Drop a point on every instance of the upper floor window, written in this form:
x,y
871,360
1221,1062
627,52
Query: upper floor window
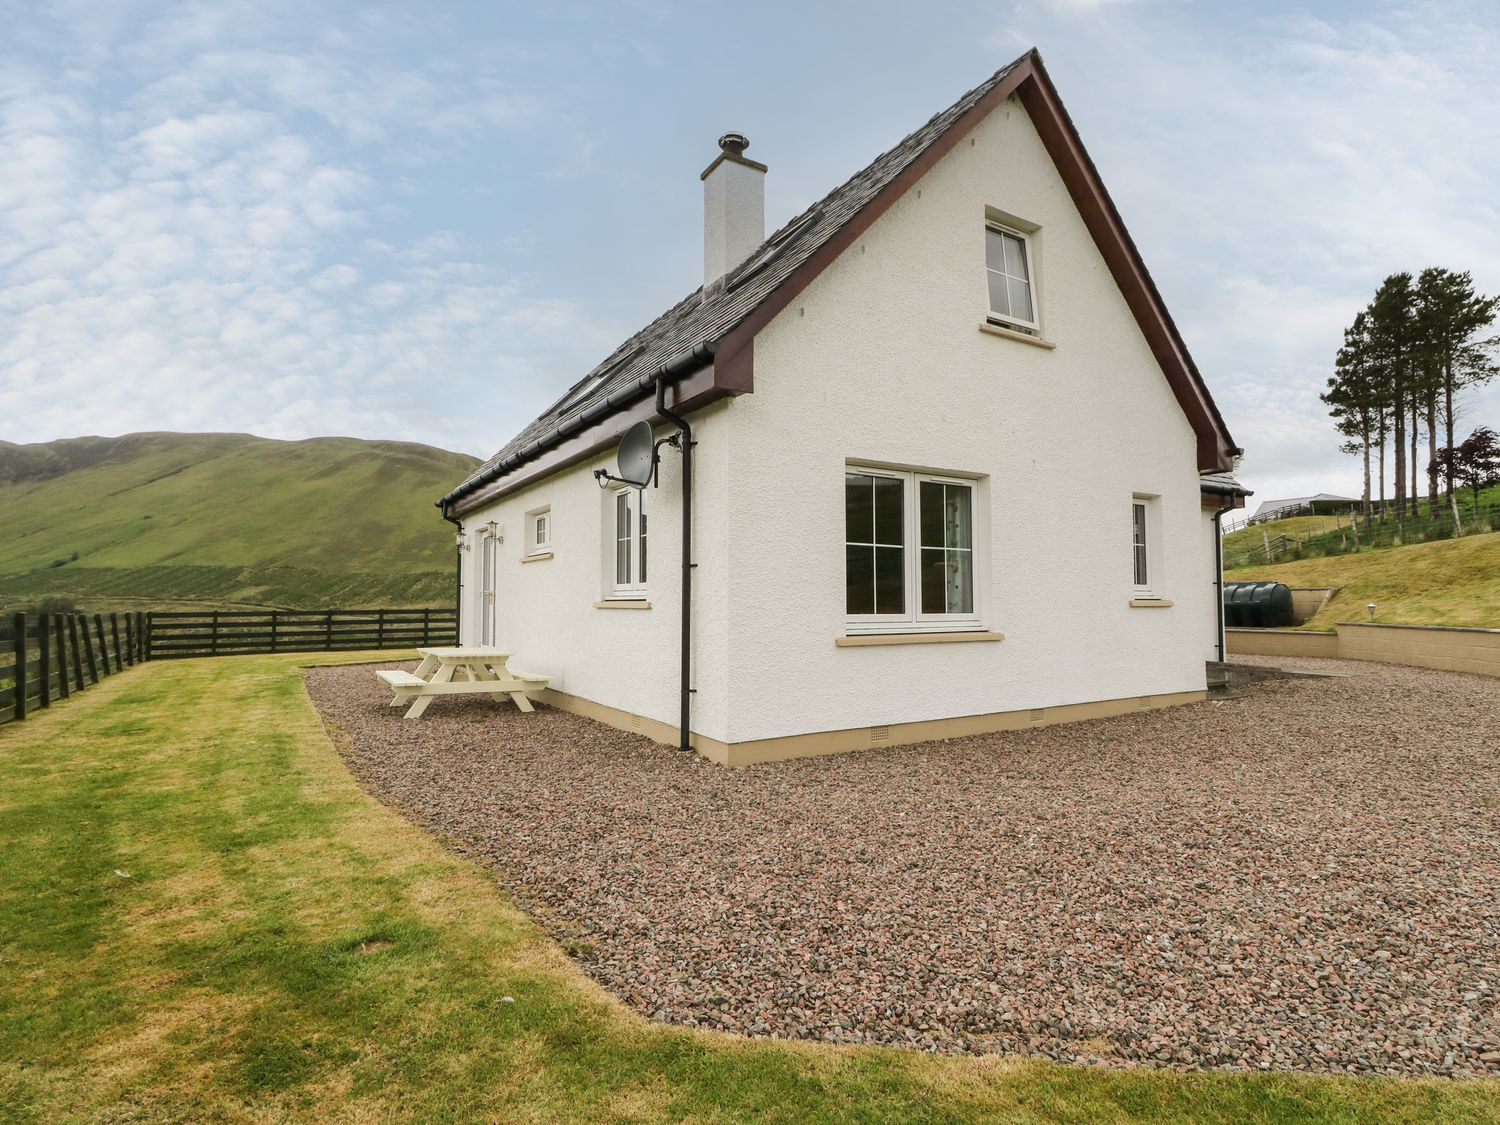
x,y
1009,267
909,551
627,538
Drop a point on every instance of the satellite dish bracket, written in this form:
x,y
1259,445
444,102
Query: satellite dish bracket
x,y
602,476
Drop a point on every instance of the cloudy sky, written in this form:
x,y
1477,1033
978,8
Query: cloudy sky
x,y
423,221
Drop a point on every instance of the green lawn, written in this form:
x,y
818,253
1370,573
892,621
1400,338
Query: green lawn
x,y
202,917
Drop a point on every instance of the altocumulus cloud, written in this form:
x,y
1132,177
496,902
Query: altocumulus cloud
x,y
337,217
186,231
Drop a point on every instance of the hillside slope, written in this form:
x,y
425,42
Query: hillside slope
x,y
1448,582
226,518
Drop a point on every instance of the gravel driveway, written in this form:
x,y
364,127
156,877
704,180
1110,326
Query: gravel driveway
x,y
1307,877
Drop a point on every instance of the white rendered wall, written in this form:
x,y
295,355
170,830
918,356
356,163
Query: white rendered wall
x,y
881,358
627,659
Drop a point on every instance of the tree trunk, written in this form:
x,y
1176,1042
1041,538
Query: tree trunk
x,y
1382,469
1448,420
1412,465
1366,495
1398,455
1432,451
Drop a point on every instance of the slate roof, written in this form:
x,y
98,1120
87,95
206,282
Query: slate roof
x,y
697,319
1222,483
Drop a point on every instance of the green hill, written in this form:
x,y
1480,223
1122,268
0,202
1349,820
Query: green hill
x,y
157,519
1447,582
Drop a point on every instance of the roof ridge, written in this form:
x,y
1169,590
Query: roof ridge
x,y
708,312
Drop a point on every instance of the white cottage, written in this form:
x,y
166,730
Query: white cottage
x,y
952,468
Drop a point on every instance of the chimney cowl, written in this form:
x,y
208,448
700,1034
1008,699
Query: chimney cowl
x,y
734,143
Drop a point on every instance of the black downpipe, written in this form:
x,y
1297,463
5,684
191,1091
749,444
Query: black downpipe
x,y
458,574
684,740
1219,580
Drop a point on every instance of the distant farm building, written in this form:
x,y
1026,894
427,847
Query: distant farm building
x,y
1324,503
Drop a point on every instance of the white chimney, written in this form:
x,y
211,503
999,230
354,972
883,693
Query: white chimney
x,y
734,208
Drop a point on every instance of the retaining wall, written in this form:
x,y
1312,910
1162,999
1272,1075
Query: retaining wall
x,y
1423,646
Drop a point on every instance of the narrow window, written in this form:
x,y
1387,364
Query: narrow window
x,y
947,548
627,540
623,534
1138,522
875,543
1008,267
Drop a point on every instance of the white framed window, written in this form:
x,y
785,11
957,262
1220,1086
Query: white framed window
x,y
910,557
626,543
1144,546
1010,270
539,531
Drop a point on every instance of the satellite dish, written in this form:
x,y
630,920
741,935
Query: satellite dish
x,y
637,456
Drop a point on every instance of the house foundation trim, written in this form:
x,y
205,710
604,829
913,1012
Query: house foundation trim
x,y
862,738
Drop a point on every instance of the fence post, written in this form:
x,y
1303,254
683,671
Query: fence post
x,y
275,618
380,628
328,631
44,658
426,627
103,644
130,639
62,657
213,634
20,625
88,649
77,655
114,631
146,634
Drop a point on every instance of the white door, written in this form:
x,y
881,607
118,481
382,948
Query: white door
x,y
488,564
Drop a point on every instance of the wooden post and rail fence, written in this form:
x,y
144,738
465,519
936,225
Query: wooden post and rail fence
x,y
44,657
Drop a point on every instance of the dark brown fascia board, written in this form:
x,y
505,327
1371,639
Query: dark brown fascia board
x,y
1216,448
1029,81
692,393
1213,501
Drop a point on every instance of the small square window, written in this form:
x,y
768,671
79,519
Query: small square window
x,y
1010,269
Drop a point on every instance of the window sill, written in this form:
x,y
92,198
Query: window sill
x,y
623,603
1012,334
1151,603
539,556
867,639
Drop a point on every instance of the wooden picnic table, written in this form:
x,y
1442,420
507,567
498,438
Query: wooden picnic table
x,y
460,670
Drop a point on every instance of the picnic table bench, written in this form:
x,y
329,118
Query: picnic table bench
x,y
459,670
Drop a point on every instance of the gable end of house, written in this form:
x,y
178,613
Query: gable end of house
x,y
703,348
